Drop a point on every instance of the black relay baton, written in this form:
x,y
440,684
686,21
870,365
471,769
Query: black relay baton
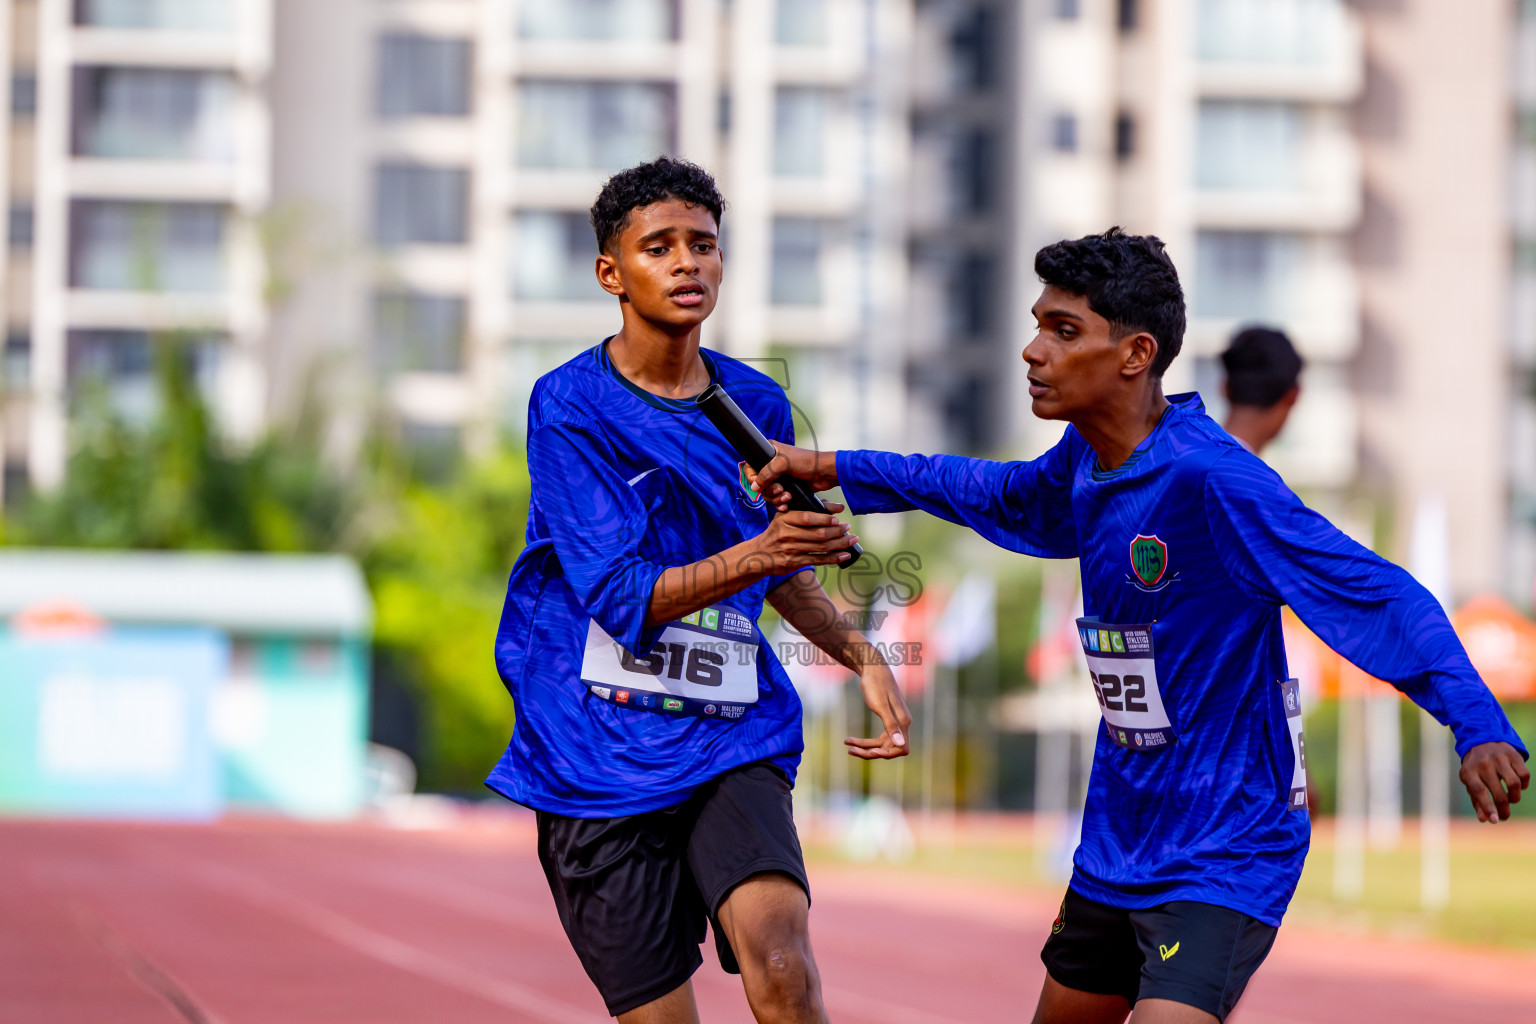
x,y
756,451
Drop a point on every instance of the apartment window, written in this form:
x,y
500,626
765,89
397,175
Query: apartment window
x,y
554,252
1125,136
417,204
972,47
1245,275
633,21
190,15
799,132
119,366
795,275
435,450
24,93
973,171
420,76
800,23
19,232
973,294
17,368
1068,10
593,126
1248,145
1127,15
144,246
153,114
417,332
1064,133
16,483
1289,31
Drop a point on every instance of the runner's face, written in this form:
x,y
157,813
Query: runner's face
x,y
666,264
1075,362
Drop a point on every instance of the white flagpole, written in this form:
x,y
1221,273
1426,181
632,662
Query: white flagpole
x,y
1431,562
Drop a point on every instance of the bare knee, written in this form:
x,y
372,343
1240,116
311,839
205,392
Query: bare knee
x,y
786,976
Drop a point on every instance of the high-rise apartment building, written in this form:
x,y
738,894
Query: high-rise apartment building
x,y
1520,576
1314,165
137,161
387,198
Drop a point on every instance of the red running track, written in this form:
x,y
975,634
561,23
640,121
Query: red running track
x,y
281,923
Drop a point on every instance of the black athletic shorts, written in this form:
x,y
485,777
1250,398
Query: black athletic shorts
x,y
633,893
1193,953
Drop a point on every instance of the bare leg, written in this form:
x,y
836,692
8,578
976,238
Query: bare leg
x,y
766,920
1062,1005
1166,1011
676,1007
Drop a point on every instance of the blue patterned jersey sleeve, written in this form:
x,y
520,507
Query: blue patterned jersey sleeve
x,y
1021,506
1367,609
595,521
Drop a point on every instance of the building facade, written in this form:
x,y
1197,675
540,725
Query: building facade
x,y
383,202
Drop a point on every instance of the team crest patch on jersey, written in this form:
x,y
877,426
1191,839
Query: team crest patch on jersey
x,y
1149,561
750,493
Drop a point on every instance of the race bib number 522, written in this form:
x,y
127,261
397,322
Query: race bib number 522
x,y
1124,674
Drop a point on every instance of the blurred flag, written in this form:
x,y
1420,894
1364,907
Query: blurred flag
x,y
968,626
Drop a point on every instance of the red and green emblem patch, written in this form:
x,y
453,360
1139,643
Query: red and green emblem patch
x,y
1149,559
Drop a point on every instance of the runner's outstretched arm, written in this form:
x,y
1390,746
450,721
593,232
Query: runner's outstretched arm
x,y
806,606
1021,506
1368,610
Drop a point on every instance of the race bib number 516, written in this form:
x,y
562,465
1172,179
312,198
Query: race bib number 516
x,y
1124,674
702,664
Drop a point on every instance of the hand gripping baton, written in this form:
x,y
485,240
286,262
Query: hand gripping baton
x,y
756,451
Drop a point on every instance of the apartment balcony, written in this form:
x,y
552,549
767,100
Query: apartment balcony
x,y
1279,49
149,311
1306,285
1270,165
599,59
1524,63
158,180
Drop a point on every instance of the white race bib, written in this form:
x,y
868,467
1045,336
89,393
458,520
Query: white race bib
x,y
1124,675
703,664
1290,691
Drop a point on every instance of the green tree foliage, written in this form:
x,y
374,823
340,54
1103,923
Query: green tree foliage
x,y
436,555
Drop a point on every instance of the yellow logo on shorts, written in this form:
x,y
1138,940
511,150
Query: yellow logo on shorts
x,y
1168,951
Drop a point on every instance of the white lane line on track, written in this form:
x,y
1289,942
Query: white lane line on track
x,y
343,930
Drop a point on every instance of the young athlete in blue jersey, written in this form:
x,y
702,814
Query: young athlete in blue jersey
x,y
657,736
1196,826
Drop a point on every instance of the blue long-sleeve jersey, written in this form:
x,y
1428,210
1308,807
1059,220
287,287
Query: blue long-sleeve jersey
x,y
1200,540
626,484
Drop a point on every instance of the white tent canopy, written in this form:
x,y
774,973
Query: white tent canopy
x,y
310,595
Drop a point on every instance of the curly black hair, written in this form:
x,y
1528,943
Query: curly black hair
x,y
1128,280
663,178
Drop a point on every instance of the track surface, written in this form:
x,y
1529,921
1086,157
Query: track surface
x,y
278,923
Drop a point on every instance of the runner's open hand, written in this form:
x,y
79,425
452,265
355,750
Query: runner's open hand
x,y
1494,774
884,698
819,469
794,540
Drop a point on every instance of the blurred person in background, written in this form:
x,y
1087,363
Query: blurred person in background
x,y
1194,830
1263,373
